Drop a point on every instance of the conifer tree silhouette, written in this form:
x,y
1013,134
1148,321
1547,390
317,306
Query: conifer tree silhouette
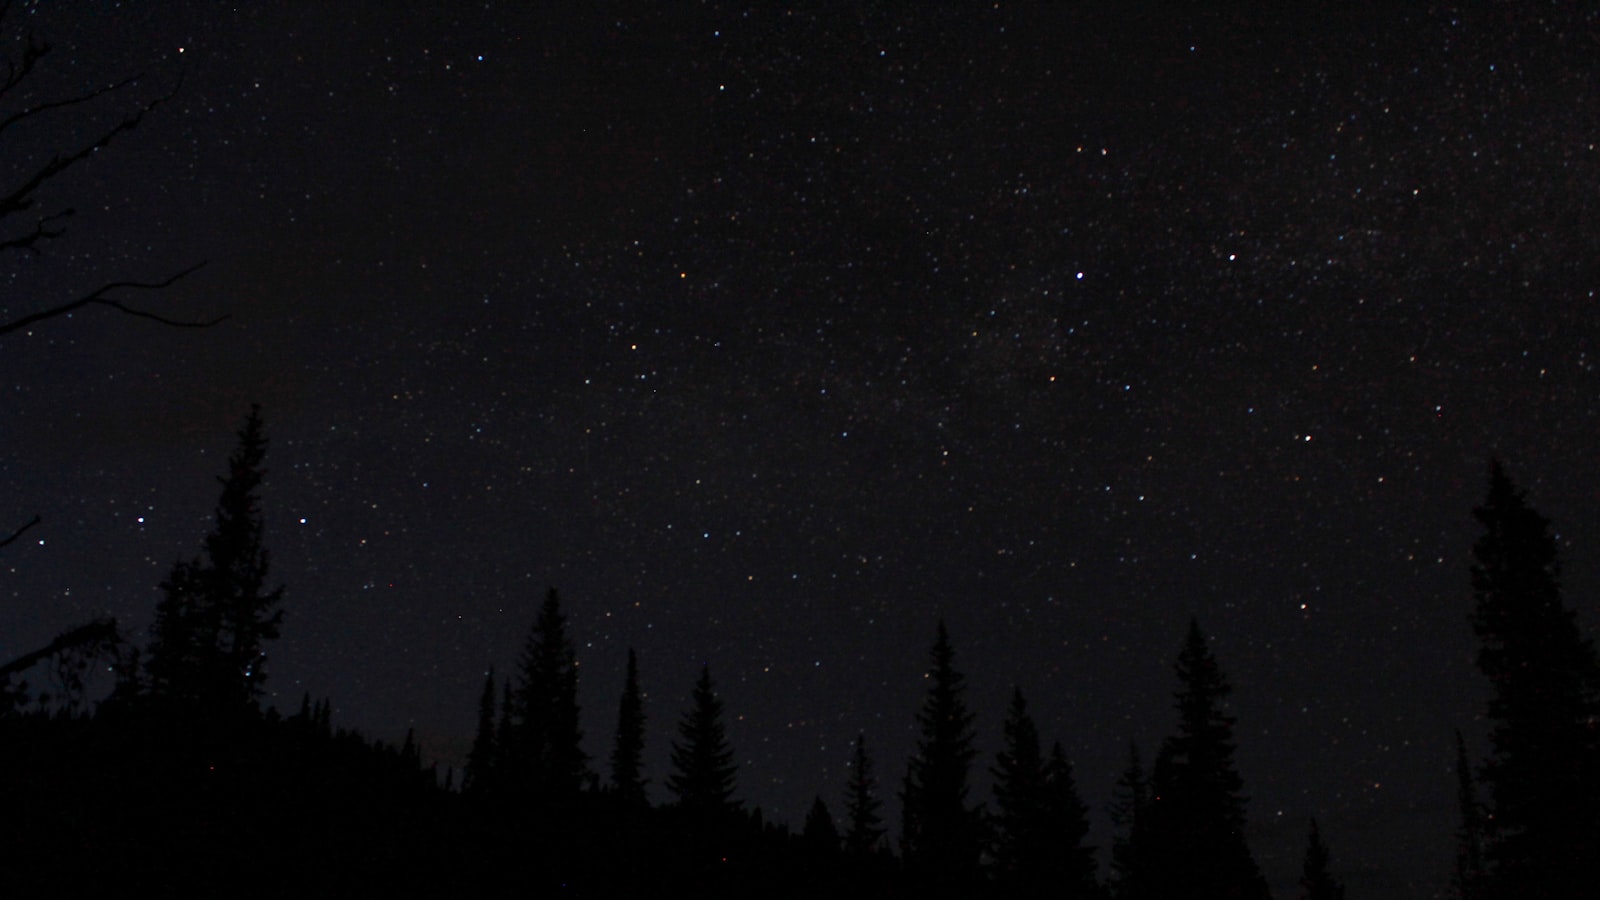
x,y
702,778
627,753
1129,812
481,758
1543,770
1196,814
208,647
1316,883
941,834
544,752
1040,822
863,809
1071,870
820,835
1020,803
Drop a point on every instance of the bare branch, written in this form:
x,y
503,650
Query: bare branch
x,y
44,229
20,198
99,297
18,533
32,111
32,52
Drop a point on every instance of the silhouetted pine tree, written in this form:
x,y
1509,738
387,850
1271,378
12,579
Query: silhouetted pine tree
x,y
702,777
1543,770
1021,805
1129,810
1128,817
545,754
249,610
865,832
183,665
1040,823
1467,881
627,753
820,836
481,758
1316,883
1071,870
1196,815
208,643
941,835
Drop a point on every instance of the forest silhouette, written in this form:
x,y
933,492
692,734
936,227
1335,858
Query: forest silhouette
x,y
179,781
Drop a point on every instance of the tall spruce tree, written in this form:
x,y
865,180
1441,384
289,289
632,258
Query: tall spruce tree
x,y
545,754
941,834
1543,770
627,752
183,665
1020,848
703,769
1129,812
864,824
1196,815
1316,882
208,643
1071,871
481,758
1040,822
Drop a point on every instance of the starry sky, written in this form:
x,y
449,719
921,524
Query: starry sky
x,y
772,334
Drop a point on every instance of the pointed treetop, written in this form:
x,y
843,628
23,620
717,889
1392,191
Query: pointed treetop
x,y
628,749
820,834
703,768
862,806
1315,881
940,832
1203,690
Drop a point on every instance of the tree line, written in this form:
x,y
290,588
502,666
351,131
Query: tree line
x,y
179,775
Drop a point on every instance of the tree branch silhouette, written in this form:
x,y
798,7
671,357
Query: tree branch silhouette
x,y
21,197
98,297
18,533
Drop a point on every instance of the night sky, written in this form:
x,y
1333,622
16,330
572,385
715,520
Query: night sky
x,y
770,335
